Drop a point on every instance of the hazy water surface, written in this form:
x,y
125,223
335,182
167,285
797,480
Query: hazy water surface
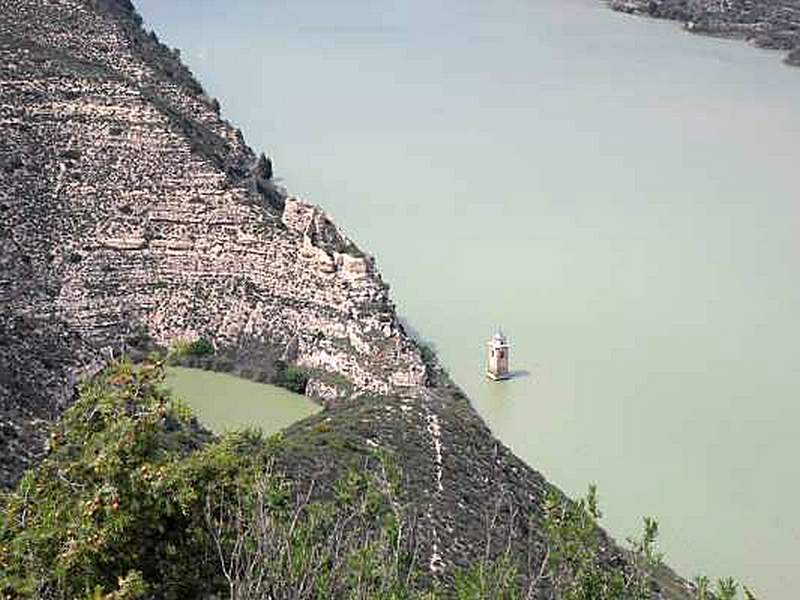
x,y
621,196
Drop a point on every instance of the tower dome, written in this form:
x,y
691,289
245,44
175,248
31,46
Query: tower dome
x,y
499,337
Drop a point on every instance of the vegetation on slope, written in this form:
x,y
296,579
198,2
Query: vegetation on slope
x,y
136,500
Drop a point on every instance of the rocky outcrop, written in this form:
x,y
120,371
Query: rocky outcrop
x,y
129,206
773,24
324,245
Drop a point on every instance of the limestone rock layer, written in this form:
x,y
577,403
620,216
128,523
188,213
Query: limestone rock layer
x,y
130,207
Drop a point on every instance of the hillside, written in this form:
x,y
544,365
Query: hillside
x,y
134,215
136,500
772,24
135,218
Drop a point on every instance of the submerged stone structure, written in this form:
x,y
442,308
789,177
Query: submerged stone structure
x,y
497,364
133,215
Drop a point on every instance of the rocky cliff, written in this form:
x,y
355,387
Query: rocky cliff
x,y
133,215
773,24
131,209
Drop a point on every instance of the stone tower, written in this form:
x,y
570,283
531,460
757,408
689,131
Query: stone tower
x,y
497,364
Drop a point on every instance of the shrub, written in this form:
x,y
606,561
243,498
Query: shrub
x,y
135,500
290,377
201,347
183,349
427,354
296,379
119,497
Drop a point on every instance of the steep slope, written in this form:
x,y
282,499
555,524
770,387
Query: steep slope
x,y
773,24
133,215
131,210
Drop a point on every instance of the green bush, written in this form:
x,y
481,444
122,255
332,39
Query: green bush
x,y
189,349
135,500
296,379
427,354
120,496
201,347
290,377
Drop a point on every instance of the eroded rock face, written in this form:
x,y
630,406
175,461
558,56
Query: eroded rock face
x,y
324,245
129,205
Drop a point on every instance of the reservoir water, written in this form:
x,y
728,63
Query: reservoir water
x,y
620,196
223,402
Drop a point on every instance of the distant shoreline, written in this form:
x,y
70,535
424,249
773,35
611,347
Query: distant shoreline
x,y
769,24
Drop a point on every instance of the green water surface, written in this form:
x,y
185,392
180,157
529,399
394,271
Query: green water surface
x,y
224,402
619,195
